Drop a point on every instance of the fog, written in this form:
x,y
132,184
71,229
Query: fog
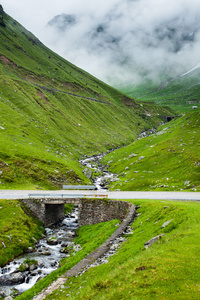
x,y
119,41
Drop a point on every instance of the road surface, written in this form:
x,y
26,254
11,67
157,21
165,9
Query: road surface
x,y
184,196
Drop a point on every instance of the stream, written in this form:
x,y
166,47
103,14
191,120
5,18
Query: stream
x,y
52,247
93,163
47,252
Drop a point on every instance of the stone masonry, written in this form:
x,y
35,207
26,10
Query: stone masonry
x,y
91,211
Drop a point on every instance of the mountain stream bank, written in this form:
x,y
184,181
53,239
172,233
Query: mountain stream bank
x,y
23,272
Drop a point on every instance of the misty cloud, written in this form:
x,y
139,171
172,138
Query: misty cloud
x,y
121,41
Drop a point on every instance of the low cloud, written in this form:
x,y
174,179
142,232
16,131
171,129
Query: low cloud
x,y
120,41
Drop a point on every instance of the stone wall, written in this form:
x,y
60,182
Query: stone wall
x,y
37,208
95,211
91,211
49,214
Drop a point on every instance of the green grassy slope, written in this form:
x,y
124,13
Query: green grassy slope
x,y
18,230
52,112
167,160
181,93
168,269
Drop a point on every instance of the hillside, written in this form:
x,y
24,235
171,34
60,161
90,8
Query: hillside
x,y
52,113
167,160
181,93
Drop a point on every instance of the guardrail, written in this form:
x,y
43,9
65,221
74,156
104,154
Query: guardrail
x,y
54,196
100,196
79,187
65,196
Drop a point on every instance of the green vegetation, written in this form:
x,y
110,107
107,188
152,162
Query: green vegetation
x,y
168,269
18,230
27,262
46,121
89,237
167,160
68,208
181,93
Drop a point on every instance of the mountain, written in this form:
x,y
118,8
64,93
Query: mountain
x,y
181,93
62,22
135,47
52,113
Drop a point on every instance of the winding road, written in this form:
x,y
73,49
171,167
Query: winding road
x,y
182,196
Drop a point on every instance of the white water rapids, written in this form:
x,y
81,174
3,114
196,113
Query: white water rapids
x,y
94,164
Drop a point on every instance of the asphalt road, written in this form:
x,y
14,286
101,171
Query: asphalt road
x,y
184,196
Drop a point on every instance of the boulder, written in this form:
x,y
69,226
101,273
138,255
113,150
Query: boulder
x,y
12,279
166,223
153,240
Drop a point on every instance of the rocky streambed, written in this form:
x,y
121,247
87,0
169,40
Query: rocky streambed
x,y
93,165
23,272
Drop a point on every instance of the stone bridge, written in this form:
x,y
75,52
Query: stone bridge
x,y
91,211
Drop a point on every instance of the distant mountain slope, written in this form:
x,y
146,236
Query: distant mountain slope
x,y
52,113
181,93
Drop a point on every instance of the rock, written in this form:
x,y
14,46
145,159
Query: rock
x,y
2,294
166,223
32,267
29,250
71,233
133,155
52,241
187,182
141,157
34,239
64,250
3,244
70,244
45,252
9,298
5,270
77,248
153,240
88,173
12,279
48,231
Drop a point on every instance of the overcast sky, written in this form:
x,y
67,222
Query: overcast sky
x,y
145,43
